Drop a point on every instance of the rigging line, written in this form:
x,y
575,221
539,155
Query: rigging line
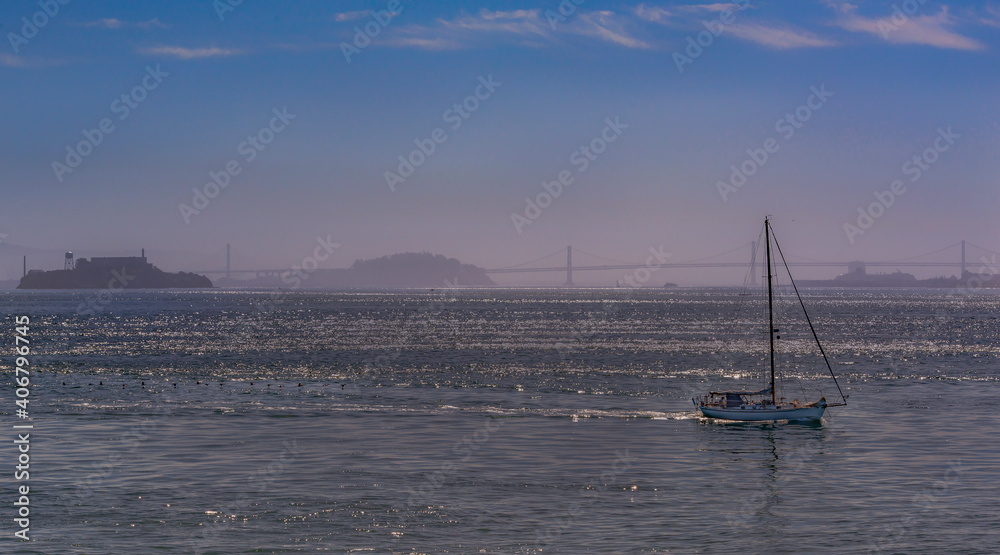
x,y
747,277
742,293
925,254
531,261
809,321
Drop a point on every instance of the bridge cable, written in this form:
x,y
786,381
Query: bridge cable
x,y
531,261
743,246
925,254
604,257
981,248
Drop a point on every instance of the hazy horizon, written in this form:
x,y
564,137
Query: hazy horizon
x,y
827,103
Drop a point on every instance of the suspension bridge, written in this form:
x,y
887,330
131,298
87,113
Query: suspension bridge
x,y
956,255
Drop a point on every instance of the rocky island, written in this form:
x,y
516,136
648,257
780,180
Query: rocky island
x,y
120,272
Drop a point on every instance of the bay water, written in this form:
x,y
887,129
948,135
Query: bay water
x,y
502,421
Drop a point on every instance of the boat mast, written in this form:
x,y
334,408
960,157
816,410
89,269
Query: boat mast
x,y
770,303
811,328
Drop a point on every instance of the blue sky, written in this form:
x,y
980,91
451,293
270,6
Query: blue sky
x,y
898,71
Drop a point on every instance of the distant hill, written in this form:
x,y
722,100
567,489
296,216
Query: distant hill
x,y
126,272
397,271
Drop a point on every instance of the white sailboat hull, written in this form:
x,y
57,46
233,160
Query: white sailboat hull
x,y
764,414
767,405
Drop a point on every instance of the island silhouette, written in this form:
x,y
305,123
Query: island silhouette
x,y
114,272
397,271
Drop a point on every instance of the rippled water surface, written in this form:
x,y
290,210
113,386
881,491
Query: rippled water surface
x,y
504,421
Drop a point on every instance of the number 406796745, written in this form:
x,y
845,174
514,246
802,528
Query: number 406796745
x,y
21,374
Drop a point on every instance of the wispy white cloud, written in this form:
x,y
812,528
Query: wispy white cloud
x,y
190,53
426,43
113,23
518,22
350,16
10,60
991,17
21,61
715,7
653,14
523,27
782,38
607,26
641,25
929,30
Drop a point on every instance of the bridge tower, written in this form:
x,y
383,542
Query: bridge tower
x,y
227,261
569,265
963,260
753,262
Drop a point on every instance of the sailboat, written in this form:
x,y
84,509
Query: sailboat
x,y
765,405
